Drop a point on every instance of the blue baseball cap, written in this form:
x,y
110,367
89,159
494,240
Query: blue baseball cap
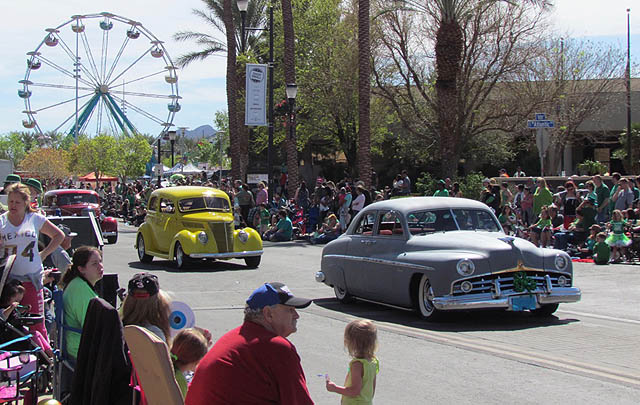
x,y
275,293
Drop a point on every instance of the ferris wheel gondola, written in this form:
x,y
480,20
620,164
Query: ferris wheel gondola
x,y
99,73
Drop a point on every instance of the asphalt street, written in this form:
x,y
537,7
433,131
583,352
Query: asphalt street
x,y
587,353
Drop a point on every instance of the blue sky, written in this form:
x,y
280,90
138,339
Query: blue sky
x,y
202,85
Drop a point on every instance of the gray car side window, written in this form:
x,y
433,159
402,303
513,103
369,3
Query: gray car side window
x,y
365,226
389,224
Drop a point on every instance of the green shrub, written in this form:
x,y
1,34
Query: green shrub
x,y
591,167
470,185
426,184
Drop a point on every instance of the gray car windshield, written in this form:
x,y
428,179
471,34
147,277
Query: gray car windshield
x,y
445,220
203,203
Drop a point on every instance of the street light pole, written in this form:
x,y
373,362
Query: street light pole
x,y
292,91
271,123
159,161
220,134
629,157
172,139
242,6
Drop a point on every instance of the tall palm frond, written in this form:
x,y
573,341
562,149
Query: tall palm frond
x,y
213,16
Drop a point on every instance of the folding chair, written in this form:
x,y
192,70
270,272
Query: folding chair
x,y
63,363
152,366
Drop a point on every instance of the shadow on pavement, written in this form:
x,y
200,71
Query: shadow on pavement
x,y
454,321
204,266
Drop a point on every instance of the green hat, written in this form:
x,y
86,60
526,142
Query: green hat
x,y
34,183
12,178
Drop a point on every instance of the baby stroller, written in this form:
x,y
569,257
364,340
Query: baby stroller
x,y
22,365
22,361
18,369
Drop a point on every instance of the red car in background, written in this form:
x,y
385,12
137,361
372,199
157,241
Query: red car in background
x,y
75,202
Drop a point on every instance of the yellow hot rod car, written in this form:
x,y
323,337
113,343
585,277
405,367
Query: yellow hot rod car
x,y
187,223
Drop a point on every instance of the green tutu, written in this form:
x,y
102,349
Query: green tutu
x,y
618,240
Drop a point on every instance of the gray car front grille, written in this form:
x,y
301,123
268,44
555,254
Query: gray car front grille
x,y
223,234
487,283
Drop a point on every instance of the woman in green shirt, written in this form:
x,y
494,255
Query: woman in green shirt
x,y
78,283
542,197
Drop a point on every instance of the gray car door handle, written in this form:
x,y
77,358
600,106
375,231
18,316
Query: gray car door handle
x,y
367,241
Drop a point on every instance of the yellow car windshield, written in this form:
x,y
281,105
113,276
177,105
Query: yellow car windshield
x,y
203,204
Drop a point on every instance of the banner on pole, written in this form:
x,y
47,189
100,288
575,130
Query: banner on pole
x,y
255,113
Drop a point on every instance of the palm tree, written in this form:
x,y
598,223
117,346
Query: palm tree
x,y
448,48
290,77
216,16
364,93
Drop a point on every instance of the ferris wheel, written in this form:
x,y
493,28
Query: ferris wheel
x,y
99,73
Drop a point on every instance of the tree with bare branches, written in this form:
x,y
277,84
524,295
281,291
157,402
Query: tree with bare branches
x,y
474,49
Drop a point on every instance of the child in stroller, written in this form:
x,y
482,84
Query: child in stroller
x,y
17,317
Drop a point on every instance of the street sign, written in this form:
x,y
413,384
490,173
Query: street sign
x,y
540,124
541,116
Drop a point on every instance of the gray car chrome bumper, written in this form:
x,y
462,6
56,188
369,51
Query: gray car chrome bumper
x,y
480,301
230,255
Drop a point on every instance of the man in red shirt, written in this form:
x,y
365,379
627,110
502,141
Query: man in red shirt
x,y
255,363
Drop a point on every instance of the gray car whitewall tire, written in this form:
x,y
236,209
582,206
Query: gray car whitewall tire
x,y
342,295
424,306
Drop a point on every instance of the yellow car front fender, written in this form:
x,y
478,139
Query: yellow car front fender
x,y
253,240
188,240
145,231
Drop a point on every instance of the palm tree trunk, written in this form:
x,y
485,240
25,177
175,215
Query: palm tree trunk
x,y
449,43
232,91
364,92
290,77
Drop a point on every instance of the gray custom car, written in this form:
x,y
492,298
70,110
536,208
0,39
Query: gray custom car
x,y
436,254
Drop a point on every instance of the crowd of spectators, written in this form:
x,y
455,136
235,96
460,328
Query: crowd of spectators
x,y
573,217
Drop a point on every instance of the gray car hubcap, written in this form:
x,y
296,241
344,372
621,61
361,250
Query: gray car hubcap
x,y
425,297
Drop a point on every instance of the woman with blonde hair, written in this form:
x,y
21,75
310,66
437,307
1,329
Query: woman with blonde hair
x,y
147,306
20,228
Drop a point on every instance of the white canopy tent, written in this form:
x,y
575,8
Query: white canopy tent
x,y
181,168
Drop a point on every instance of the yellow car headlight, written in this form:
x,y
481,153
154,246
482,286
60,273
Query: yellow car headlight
x,y
203,238
243,236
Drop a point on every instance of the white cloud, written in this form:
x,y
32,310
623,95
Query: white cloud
x,y
594,17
